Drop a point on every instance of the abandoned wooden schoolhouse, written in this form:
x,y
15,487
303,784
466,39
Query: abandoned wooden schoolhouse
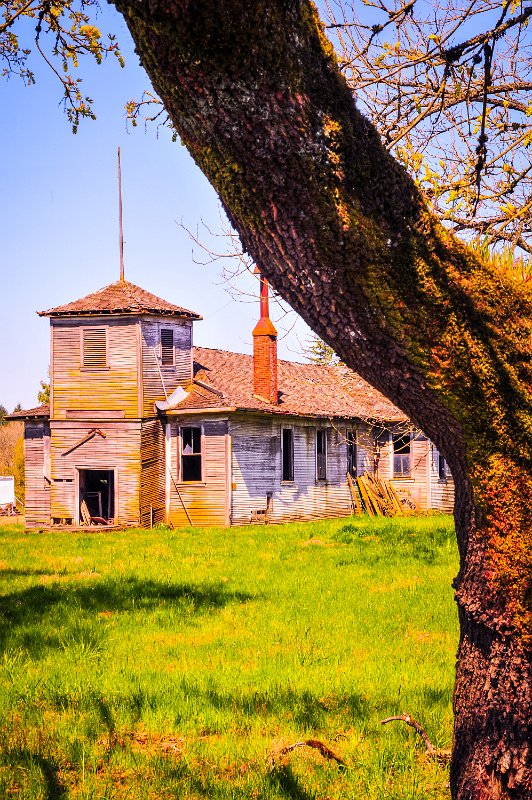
x,y
144,428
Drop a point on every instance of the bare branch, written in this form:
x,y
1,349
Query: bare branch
x,y
441,755
316,744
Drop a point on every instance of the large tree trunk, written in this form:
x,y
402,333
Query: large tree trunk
x,y
343,234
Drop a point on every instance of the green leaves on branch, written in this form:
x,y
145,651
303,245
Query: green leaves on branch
x,y
59,33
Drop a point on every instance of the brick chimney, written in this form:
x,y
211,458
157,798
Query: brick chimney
x,y
265,351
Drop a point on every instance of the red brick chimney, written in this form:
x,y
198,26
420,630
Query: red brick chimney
x,y
265,351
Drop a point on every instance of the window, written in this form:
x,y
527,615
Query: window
x,y
191,454
401,455
321,455
167,347
443,468
351,438
287,454
381,439
94,348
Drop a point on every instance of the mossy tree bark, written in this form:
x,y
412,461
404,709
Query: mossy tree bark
x,y
345,237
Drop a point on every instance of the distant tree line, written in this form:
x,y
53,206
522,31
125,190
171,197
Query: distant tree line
x,y
12,441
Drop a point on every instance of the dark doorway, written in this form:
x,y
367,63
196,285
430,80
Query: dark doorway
x,y
97,496
352,453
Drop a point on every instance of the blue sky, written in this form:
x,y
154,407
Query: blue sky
x,y
59,219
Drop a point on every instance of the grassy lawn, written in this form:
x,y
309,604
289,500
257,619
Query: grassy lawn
x,y
169,664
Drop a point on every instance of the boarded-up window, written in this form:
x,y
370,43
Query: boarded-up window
x,y
94,348
287,453
401,455
167,347
321,455
191,454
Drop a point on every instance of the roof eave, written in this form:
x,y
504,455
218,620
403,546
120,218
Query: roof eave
x,y
277,411
22,416
120,313
185,412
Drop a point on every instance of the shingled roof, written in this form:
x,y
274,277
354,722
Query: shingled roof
x,y
31,413
225,380
304,389
121,297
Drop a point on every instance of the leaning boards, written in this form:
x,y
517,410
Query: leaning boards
x,y
379,498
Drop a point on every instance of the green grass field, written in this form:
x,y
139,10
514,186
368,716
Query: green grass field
x,y
169,664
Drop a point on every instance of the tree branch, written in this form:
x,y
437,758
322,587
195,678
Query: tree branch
x,y
441,755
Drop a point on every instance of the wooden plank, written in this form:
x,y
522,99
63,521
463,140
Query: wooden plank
x,y
405,509
374,498
86,517
354,494
365,497
394,498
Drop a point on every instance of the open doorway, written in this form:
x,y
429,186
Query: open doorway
x,y
97,496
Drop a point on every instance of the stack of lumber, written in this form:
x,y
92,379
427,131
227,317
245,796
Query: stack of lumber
x,y
379,498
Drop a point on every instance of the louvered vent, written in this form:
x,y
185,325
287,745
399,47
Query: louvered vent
x,y
94,348
167,346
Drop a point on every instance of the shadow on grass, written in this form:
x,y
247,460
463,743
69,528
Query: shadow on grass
x,y
24,573
307,710
29,611
288,785
54,789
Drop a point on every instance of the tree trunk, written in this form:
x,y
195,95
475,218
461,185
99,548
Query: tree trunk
x,y
343,234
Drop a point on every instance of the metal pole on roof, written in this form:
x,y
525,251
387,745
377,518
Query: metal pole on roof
x,y
121,231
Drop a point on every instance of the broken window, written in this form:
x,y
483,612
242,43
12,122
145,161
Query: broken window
x,y
167,347
321,455
94,348
191,454
401,455
287,454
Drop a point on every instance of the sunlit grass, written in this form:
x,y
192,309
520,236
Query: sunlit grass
x,y
168,664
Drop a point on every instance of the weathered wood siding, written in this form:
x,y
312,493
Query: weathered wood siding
x,y
36,458
257,470
179,374
77,389
152,478
119,451
206,501
441,489
418,485
366,452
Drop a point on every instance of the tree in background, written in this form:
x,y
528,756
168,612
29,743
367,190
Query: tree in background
x,y
59,33
12,454
43,395
318,352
